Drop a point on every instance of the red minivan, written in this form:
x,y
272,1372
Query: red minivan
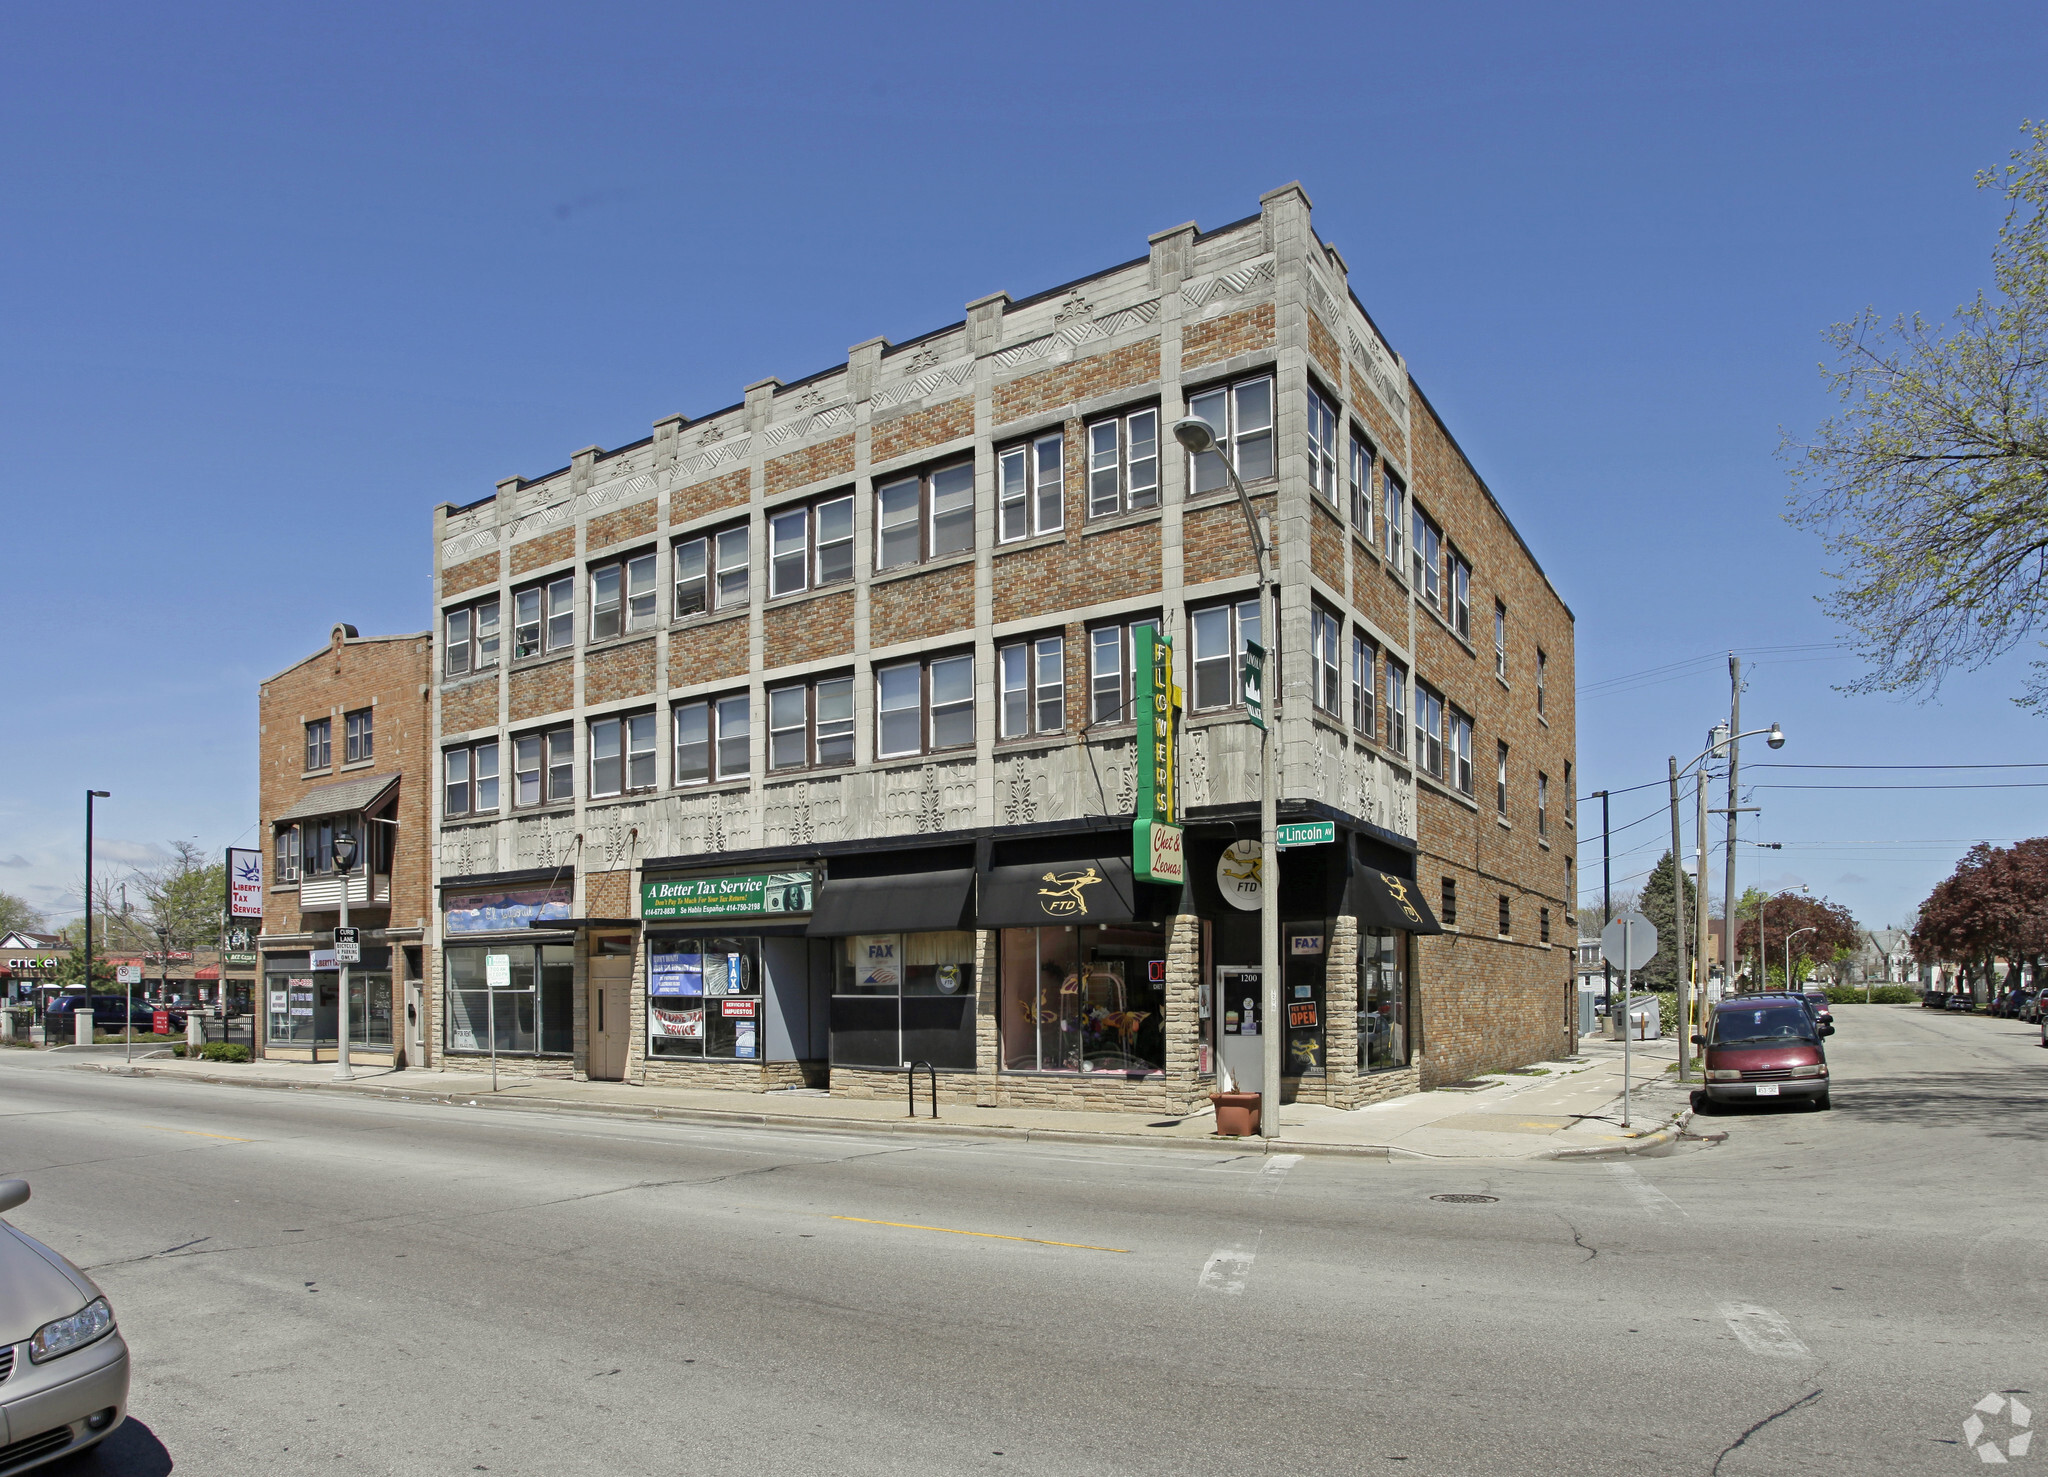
x,y
1760,1047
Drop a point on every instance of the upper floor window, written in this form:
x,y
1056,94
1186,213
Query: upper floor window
x,y
1397,706
711,739
1542,804
1123,464
1241,415
320,743
1112,676
924,517
1458,744
1429,729
1460,591
1219,635
1034,687
359,735
811,723
924,706
1506,916
288,854
711,572
621,596
1364,670
1325,634
1359,476
621,754
810,545
1542,662
1500,781
1322,445
544,617
544,767
472,638
1449,909
1393,515
1030,487
1428,553
1543,925
1500,641
470,779
1568,796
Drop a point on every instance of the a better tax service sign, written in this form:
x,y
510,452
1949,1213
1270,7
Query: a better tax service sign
x,y
726,897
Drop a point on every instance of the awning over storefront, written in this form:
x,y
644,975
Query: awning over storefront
x,y
907,902
1381,900
1086,890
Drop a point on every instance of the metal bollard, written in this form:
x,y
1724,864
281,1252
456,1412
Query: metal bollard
x,y
81,1028
6,1024
195,1033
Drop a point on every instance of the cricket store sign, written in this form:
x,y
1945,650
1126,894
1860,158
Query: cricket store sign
x,y
726,897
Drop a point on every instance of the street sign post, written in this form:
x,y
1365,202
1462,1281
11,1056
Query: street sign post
x,y
1254,678
1631,939
1305,833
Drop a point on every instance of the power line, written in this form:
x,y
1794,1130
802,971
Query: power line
x,y
2012,785
1675,668
1780,764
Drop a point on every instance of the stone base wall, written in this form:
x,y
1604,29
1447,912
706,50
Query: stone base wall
x,y
554,1067
724,1076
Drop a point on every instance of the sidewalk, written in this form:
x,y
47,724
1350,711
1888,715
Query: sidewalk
x,y
1558,1110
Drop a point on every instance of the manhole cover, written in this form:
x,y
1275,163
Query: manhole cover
x,y
1466,1199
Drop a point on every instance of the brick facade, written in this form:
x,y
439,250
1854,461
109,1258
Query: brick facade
x,y
470,574
808,631
814,464
637,521
919,429
539,691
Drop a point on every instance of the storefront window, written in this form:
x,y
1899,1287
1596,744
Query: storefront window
x,y
904,997
704,997
1090,999
303,1007
1382,999
527,1009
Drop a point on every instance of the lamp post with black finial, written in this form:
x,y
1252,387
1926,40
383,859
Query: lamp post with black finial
x,y
344,864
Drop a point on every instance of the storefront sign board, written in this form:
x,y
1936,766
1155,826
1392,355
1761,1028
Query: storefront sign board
x,y
1156,699
1301,1014
1303,944
877,961
726,897
1237,874
245,883
680,1025
1157,852
500,909
734,1010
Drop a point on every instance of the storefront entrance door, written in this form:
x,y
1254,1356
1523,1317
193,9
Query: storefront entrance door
x,y
611,979
1238,1003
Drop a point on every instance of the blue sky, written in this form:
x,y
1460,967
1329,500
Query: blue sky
x,y
280,279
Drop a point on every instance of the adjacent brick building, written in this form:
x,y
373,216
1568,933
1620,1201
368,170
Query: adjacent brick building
x,y
794,743
343,746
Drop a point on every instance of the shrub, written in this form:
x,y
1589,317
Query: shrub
x,y
225,1051
1879,995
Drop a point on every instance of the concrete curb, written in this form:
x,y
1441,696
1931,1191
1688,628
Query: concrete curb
x,y
1670,1133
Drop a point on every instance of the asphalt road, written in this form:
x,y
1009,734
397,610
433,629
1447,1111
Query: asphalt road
x,y
314,1283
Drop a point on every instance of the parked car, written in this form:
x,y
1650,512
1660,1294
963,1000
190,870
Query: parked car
x,y
1960,1002
1823,1011
108,1011
1933,1000
65,1385
1765,1046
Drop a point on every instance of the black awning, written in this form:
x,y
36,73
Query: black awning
x,y
1084,890
908,902
1382,900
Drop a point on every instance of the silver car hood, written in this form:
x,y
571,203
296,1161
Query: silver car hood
x,y
36,1285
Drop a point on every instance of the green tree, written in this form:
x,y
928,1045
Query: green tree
x,y
1660,904
1930,488
19,913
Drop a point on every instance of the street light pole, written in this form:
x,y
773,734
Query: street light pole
x,y
1683,982
1198,437
344,863
90,796
1788,950
1734,762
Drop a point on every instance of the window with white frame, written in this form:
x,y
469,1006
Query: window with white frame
x,y
1458,743
1397,706
1500,779
288,854
1325,639
810,724
1358,465
1033,678
1429,729
1364,671
1542,803
1123,463
359,735
1322,445
1241,415
471,641
711,572
1427,551
711,738
621,596
544,617
544,767
922,707
470,779
1460,591
621,754
1218,635
1030,487
924,516
1393,515
810,545
1111,677
320,743
1500,641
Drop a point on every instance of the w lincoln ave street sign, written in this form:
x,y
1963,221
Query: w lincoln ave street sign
x,y
1305,833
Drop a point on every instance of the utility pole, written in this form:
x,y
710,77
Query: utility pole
x,y
1699,789
1678,931
1728,893
1606,910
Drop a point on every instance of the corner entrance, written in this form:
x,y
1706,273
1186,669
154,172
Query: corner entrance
x,y
609,1005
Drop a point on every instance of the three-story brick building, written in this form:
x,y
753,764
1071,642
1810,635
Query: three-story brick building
x,y
795,742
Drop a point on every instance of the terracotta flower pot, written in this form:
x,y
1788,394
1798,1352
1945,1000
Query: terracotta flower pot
x,y
1237,1114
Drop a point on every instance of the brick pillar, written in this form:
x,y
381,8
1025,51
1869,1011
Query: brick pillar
x,y
1183,1002
1340,1015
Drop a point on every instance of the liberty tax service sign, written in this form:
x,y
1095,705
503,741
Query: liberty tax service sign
x,y
726,897
245,883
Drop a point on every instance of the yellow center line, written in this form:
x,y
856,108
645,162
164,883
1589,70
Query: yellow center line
x,y
985,1235
195,1133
